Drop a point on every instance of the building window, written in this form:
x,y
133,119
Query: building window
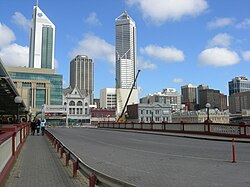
x,y
86,111
71,103
26,84
77,111
40,85
70,111
79,103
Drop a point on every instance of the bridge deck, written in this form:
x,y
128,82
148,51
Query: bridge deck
x,y
39,165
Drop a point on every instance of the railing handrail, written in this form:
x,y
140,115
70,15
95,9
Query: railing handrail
x,y
86,170
214,129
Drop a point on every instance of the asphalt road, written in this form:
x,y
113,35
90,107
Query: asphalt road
x,y
154,160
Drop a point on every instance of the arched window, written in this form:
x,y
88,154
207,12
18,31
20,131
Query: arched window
x,y
86,104
79,103
71,103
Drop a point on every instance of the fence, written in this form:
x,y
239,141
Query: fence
x,y
94,176
214,129
12,139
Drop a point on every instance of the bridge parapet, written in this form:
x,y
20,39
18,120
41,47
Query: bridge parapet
x,y
12,138
214,129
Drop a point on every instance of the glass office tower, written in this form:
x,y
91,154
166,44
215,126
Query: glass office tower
x,y
42,39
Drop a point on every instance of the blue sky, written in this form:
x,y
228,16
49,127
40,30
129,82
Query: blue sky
x,y
178,42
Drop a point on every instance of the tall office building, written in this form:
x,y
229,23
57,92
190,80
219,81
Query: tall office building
x,y
214,97
42,40
238,85
82,75
189,96
125,46
37,86
125,49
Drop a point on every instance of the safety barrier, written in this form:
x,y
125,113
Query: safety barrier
x,y
94,176
213,129
12,139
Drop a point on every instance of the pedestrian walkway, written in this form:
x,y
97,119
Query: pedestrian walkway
x,y
39,165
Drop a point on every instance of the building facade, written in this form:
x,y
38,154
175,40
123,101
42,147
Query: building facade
x,y
200,116
77,106
239,102
108,98
125,49
125,58
42,41
238,85
214,97
168,96
82,75
189,96
37,86
155,112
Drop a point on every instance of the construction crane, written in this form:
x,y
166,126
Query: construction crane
x,y
122,117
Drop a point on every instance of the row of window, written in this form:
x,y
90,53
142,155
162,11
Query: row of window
x,y
151,111
79,103
77,111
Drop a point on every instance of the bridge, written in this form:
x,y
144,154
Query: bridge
x,y
119,156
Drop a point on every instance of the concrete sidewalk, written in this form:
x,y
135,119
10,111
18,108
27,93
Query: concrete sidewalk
x,y
39,165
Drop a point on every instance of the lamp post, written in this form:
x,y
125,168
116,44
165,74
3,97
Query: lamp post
x,y
208,106
18,100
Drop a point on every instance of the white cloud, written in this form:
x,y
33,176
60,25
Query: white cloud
x,y
92,19
65,83
160,11
246,55
220,40
56,63
19,19
96,48
220,22
145,64
218,57
6,35
15,55
177,80
168,54
244,24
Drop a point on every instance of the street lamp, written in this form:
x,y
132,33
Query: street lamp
x,y
208,105
18,100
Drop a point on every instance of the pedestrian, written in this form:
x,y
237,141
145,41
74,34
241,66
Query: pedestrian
x,y
38,127
43,124
33,127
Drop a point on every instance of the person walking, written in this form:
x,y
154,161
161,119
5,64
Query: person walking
x,y
33,127
38,127
43,124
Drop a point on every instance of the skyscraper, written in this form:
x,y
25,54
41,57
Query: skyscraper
x,y
125,50
238,85
125,46
189,96
42,39
82,75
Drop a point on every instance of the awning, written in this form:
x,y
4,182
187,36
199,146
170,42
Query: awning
x,y
8,92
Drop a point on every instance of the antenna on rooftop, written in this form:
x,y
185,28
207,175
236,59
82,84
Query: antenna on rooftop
x,y
124,6
36,2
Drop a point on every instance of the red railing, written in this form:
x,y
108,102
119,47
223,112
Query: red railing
x,y
213,129
12,139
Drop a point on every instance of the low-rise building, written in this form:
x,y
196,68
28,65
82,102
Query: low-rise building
x,y
155,112
200,116
77,106
99,114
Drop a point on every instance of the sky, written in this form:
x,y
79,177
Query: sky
x,y
179,42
